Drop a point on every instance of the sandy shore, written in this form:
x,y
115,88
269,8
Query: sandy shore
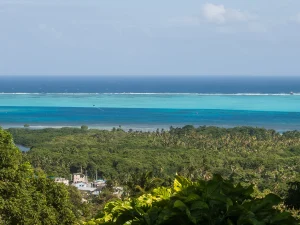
x,y
143,128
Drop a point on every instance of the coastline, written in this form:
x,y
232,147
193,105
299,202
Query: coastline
x,y
142,128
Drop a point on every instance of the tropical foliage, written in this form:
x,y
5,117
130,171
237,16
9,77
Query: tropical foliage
x,y
257,162
28,196
213,202
268,159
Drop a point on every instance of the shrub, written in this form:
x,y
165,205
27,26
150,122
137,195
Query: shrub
x,y
213,202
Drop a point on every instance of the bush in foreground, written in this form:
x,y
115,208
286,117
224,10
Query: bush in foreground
x,y
213,202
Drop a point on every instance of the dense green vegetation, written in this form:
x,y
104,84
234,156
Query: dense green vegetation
x,y
249,155
255,162
28,197
213,202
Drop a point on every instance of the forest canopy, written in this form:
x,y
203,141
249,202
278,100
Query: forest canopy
x,y
263,157
27,196
263,160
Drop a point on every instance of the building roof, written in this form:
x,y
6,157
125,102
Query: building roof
x,y
87,189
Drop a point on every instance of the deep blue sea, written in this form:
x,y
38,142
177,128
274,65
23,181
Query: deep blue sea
x,y
141,84
150,102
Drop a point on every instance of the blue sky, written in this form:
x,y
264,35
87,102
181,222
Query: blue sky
x,y
157,37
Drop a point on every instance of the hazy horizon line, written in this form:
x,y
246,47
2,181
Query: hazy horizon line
x,y
149,76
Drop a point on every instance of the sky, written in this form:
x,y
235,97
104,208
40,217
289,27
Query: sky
x,y
157,37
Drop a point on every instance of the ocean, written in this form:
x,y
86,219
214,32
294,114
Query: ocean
x,y
148,103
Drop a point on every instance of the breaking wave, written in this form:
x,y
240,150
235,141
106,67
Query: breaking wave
x,y
161,93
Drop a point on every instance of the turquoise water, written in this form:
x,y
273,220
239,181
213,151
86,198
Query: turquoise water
x,y
23,148
254,102
276,111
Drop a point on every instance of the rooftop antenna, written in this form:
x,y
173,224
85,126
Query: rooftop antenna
x,y
86,178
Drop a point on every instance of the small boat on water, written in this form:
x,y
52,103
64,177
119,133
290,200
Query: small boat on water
x,y
291,93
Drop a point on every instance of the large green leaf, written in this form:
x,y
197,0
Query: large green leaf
x,y
178,204
198,205
214,202
192,197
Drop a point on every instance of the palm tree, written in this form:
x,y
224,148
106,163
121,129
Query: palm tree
x,y
143,183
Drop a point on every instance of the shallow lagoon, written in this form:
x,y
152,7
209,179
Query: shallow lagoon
x,y
254,102
149,111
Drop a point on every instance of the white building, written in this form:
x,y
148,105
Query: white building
x,y
80,185
86,187
79,178
61,180
99,183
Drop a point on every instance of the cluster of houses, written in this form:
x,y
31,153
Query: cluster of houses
x,y
80,181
